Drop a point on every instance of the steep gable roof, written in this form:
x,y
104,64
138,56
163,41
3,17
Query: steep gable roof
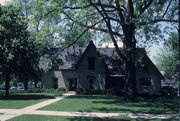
x,y
90,46
72,56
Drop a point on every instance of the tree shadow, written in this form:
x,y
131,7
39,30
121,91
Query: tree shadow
x,y
26,97
112,119
92,97
95,119
150,105
157,105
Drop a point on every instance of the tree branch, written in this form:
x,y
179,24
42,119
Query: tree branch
x,y
87,6
108,24
157,21
164,20
166,9
94,28
146,5
72,43
131,8
122,19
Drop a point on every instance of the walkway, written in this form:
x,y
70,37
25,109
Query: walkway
x,y
6,114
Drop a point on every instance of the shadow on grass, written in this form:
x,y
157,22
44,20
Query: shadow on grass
x,y
158,105
111,119
95,119
26,97
93,97
152,105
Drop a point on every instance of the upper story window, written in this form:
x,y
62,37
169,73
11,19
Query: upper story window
x,y
145,82
91,63
115,65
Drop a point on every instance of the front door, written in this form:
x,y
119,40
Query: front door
x,y
72,84
91,81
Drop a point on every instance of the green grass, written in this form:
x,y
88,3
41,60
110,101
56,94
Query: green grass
x,y
62,118
112,104
20,99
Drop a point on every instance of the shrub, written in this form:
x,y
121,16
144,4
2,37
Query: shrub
x,y
80,91
49,90
61,89
110,91
39,90
118,92
35,90
94,92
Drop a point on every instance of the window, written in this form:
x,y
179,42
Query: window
x,y
91,81
145,82
91,63
55,83
115,65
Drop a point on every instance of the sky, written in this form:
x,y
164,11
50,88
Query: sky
x,y
3,2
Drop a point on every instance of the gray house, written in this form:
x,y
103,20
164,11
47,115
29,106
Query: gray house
x,y
94,68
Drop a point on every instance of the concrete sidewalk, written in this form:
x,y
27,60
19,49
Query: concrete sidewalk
x,y
6,114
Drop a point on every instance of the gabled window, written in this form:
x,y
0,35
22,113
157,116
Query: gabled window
x,y
145,82
115,65
91,63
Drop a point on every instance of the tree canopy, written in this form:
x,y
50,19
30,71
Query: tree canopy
x,y
168,58
50,27
18,53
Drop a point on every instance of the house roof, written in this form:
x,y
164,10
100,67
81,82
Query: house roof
x,y
72,55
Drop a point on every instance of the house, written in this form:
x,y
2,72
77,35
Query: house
x,y
94,68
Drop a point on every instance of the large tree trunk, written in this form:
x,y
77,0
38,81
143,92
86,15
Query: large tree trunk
x,y
131,90
7,83
130,51
26,84
35,83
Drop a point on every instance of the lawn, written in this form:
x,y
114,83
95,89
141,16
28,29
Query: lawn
x,y
20,99
107,104
61,118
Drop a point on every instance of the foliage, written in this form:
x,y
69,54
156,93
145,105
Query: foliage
x,y
40,90
57,92
167,59
80,91
51,29
61,90
49,26
19,51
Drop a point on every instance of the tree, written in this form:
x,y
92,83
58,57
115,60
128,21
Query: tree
x,y
168,60
134,22
27,61
17,53
48,25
